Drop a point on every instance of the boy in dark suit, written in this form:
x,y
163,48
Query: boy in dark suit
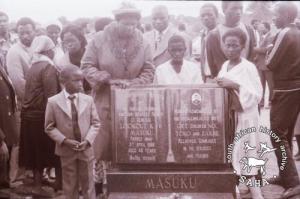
x,y
72,122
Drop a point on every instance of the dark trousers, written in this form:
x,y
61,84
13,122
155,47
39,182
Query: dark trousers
x,y
284,111
4,170
266,76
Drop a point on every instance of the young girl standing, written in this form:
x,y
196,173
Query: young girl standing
x,y
241,79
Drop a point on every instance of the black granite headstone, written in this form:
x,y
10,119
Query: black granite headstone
x,y
170,139
180,125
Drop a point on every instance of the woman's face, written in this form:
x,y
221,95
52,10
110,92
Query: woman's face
x,y
232,47
127,26
71,43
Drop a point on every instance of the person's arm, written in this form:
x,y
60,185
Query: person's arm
x,y
90,67
281,48
147,72
260,50
49,81
93,130
227,83
50,125
15,72
95,125
215,56
252,43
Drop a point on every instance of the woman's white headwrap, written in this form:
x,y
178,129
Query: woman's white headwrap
x,y
39,45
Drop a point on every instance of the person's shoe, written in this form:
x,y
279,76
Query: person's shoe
x,y
40,192
16,183
291,192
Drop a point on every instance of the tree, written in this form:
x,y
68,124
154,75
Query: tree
x,y
260,10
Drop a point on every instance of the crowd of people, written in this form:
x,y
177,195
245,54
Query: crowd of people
x,y
55,118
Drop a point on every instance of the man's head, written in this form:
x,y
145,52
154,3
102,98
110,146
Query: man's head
x,y
160,18
26,31
255,23
264,27
176,48
72,79
53,31
209,15
284,13
234,41
3,23
233,12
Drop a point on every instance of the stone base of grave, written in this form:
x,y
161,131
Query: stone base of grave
x,y
154,185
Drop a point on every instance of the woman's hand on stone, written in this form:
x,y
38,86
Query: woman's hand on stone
x,y
227,83
122,83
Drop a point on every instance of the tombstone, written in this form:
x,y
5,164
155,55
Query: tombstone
x,y
170,139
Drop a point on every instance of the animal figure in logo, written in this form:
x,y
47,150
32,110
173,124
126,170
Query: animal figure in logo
x,y
265,149
249,162
248,147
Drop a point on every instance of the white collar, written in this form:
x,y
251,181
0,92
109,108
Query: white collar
x,y
163,32
68,94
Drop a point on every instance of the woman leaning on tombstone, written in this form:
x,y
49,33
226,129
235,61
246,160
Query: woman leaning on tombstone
x,y
118,56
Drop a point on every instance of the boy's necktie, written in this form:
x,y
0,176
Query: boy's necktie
x,y
75,124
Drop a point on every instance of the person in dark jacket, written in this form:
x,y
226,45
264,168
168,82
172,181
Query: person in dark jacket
x,y
8,130
36,148
215,55
284,62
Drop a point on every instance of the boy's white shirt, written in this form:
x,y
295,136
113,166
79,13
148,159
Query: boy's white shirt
x,y
190,74
68,100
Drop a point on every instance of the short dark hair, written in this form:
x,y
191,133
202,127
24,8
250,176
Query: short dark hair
x,y
225,4
288,7
176,39
253,21
75,30
53,26
267,25
24,21
210,5
67,71
4,14
236,32
101,23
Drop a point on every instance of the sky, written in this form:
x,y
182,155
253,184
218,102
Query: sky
x,y
44,11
